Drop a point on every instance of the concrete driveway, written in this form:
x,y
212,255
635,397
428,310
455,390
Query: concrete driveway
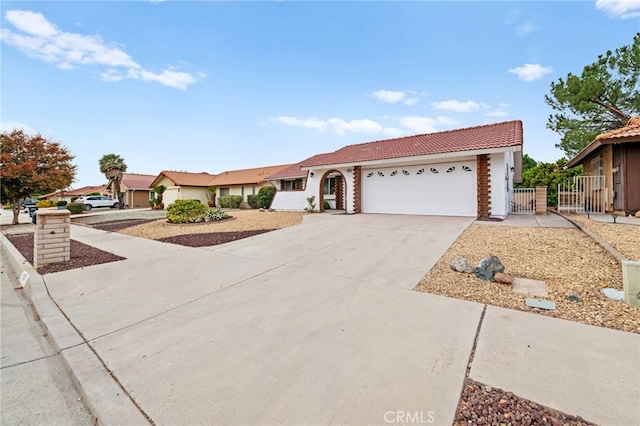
x,y
313,324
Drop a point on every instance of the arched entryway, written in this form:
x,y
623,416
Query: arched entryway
x,y
333,190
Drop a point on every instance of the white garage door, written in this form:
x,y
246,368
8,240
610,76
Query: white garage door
x,y
447,189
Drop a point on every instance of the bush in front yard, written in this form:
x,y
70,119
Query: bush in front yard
x,y
230,201
186,211
265,196
75,208
252,200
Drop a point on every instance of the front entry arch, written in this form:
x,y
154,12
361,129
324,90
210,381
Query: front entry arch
x,y
334,181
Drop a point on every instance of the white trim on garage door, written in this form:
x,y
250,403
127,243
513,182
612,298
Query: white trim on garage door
x,y
447,189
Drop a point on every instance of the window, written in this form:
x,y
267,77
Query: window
x,y
152,195
224,192
329,186
288,185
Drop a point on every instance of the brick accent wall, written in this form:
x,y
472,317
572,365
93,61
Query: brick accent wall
x,y
483,168
52,242
338,192
541,200
357,189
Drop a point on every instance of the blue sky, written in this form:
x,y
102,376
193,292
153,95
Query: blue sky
x,y
214,86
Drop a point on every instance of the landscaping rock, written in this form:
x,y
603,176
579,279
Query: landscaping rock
x,y
488,267
503,278
460,264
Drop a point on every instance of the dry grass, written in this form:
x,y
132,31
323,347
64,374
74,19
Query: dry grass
x,y
566,259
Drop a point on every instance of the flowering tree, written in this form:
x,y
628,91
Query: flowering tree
x,y
31,164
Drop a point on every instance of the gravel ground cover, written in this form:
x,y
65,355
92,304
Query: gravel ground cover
x,y
243,220
82,255
623,237
484,405
569,261
211,239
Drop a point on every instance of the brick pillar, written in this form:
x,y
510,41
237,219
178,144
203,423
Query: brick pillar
x,y
484,187
338,192
52,237
357,175
541,200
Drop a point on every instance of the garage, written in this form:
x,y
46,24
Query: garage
x,y
447,189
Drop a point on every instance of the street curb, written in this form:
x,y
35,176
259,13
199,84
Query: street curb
x,y
605,245
102,395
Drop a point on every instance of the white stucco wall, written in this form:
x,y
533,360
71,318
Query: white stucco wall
x,y
501,183
297,200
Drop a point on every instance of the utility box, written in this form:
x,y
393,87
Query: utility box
x,y
631,282
52,237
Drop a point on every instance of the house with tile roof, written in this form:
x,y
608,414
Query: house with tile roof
x,y
616,156
463,172
70,195
184,185
137,189
244,182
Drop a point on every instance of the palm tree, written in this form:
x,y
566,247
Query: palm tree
x,y
113,167
159,189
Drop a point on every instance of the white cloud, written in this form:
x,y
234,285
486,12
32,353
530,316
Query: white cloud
x,y
411,101
623,9
419,124
526,28
8,126
42,40
498,112
338,125
394,132
457,106
356,126
531,72
388,96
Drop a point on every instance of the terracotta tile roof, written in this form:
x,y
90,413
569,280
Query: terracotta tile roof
x,y
628,133
185,178
295,170
247,176
498,135
76,192
632,129
137,181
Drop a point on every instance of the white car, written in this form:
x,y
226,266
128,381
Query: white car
x,y
93,201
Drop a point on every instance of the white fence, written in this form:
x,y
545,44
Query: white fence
x,y
582,194
524,201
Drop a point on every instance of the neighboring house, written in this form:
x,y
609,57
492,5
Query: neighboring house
x,y
244,182
137,189
464,172
616,156
184,186
71,194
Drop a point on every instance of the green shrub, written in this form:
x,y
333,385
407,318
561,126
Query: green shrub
x,y
186,211
153,202
265,196
252,200
327,206
217,214
61,203
42,204
230,201
75,208
7,207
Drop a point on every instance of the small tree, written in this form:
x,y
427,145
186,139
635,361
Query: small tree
x,y
159,189
113,166
212,196
31,165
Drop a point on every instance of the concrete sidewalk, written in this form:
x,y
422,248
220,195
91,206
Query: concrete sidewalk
x,y
317,324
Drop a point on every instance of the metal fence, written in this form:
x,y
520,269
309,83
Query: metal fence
x,y
582,194
524,201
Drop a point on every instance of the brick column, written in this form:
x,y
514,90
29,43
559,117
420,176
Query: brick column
x,y
484,187
357,172
52,237
541,200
